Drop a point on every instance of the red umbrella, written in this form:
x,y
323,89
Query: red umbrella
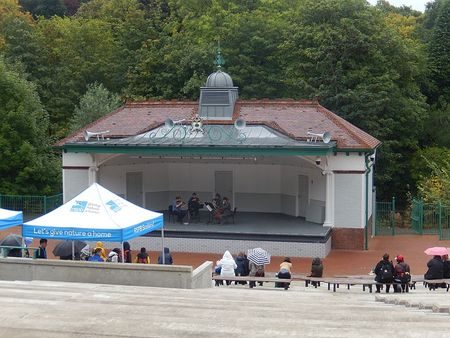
x,y
436,251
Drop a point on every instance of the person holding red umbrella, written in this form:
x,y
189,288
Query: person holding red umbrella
x,y
435,265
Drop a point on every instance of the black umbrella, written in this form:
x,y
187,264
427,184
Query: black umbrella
x,y
11,240
63,249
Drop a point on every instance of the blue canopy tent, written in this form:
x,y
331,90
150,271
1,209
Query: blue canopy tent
x,y
10,218
96,214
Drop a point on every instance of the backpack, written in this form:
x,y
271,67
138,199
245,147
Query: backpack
x,y
386,274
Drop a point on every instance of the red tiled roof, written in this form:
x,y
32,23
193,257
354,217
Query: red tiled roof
x,y
292,118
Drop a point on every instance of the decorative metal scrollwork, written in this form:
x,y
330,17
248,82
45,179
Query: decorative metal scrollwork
x,y
196,129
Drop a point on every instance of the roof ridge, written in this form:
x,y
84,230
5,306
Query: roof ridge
x,y
340,121
159,102
278,101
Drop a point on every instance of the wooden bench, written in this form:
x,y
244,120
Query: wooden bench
x,y
433,284
364,282
252,279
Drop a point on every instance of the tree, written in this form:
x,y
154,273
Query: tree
x,y
27,166
439,77
45,8
345,54
436,187
96,102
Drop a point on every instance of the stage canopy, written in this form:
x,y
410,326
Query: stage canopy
x,y
10,218
95,214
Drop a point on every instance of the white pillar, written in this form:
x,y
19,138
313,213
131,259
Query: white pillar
x,y
93,170
329,200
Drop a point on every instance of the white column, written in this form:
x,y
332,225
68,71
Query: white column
x,y
329,201
93,170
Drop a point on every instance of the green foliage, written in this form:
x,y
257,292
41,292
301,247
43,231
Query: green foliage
x,y
96,102
26,164
420,168
45,8
344,53
436,187
383,68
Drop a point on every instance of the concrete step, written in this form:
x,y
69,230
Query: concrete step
x,y
32,309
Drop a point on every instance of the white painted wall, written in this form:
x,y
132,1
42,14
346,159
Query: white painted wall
x,y
74,182
342,161
349,201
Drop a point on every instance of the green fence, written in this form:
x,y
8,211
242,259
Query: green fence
x,y
419,219
385,218
31,205
428,218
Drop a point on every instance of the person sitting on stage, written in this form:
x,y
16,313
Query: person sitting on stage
x,y
194,206
178,209
224,211
217,201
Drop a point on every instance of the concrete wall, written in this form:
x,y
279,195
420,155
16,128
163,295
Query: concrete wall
x,y
167,276
219,246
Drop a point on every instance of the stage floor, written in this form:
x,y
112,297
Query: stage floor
x,y
250,225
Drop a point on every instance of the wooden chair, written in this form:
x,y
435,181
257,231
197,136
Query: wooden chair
x,y
232,216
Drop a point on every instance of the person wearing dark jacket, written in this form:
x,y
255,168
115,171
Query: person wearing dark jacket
x,y
41,252
167,257
384,273
316,267
127,252
446,263
316,270
435,268
402,274
142,257
242,266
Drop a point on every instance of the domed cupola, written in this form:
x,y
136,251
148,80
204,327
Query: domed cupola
x,y
219,79
218,97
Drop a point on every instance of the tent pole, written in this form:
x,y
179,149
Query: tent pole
x,y
123,254
163,256
73,250
23,247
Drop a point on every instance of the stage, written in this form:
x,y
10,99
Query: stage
x,y
280,234
249,226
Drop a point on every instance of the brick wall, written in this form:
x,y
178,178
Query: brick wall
x,y
347,238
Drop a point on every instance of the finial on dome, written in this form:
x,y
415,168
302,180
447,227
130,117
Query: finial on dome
x,y
219,61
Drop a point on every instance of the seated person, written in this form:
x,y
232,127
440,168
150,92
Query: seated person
x,y
96,257
284,273
316,269
194,206
217,201
224,211
179,209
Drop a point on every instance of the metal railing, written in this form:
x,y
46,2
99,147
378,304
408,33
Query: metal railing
x,y
385,218
23,251
31,205
431,218
421,218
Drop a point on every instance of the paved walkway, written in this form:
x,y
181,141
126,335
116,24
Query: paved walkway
x,y
339,262
50,309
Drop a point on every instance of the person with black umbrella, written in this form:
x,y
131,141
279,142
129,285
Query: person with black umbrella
x,y
41,252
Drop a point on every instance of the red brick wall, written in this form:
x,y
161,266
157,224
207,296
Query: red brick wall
x,y
347,239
